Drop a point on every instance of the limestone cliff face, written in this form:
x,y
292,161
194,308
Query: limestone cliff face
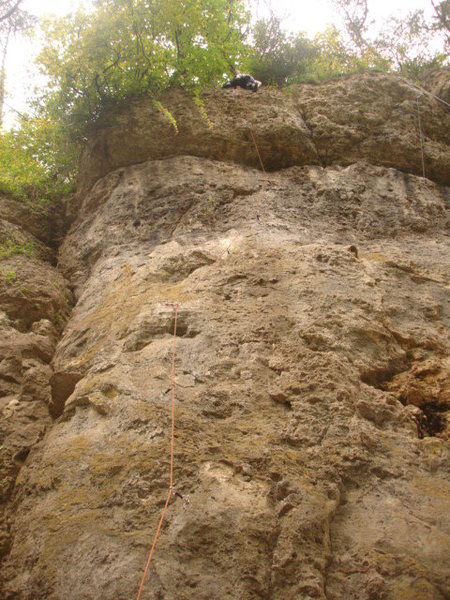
x,y
311,365
369,117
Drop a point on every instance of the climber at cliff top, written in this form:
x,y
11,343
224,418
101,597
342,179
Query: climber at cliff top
x,y
247,82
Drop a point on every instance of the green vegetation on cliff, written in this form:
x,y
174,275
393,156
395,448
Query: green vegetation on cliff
x,y
96,61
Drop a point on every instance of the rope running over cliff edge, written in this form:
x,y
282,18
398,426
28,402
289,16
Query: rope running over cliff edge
x,y
226,251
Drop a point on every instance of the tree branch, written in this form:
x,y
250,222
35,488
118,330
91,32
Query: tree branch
x,y
441,17
11,11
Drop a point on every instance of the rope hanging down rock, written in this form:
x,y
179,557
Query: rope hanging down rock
x,y
420,132
176,307
172,439
227,251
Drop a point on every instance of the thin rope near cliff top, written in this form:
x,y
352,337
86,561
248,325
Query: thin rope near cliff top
x,y
176,307
420,132
424,91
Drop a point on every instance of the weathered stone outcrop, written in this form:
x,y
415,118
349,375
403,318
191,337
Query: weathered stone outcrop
x,y
367,117
312,376
34,305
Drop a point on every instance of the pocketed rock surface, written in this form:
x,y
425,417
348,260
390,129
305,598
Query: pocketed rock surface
x,y
312,384
366,117
35,301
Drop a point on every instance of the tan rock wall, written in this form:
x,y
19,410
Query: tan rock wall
x,y
35,302
311,370
364,117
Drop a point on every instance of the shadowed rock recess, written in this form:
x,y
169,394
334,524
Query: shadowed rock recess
x,y
312,370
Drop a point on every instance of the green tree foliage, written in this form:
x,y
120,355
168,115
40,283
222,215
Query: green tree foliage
x,y
405,44
12,21
134,47
124,48
402,46
441,21
280,59
276,58
37,161
95,61
355,14
336,57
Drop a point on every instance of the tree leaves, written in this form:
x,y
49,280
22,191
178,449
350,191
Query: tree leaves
x,y
96,62
134,47
37,161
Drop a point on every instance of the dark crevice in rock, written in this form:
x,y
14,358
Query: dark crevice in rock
x,y
410,383
431,418
273,547
34,307
320,159
21,456
62,384
378,378
435,420
281,397
183,330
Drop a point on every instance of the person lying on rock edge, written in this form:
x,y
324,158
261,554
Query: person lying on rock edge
x,y
247,82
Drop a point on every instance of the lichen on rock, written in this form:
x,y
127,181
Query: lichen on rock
x,y
310,358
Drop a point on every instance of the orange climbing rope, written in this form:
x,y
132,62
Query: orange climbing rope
x,y
172,439
243,226
172,436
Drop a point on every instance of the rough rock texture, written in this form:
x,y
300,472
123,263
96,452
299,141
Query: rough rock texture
x,y
369,117
34,305
312,375
437,82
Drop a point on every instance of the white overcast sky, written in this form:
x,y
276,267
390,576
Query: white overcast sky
x,y
310,16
